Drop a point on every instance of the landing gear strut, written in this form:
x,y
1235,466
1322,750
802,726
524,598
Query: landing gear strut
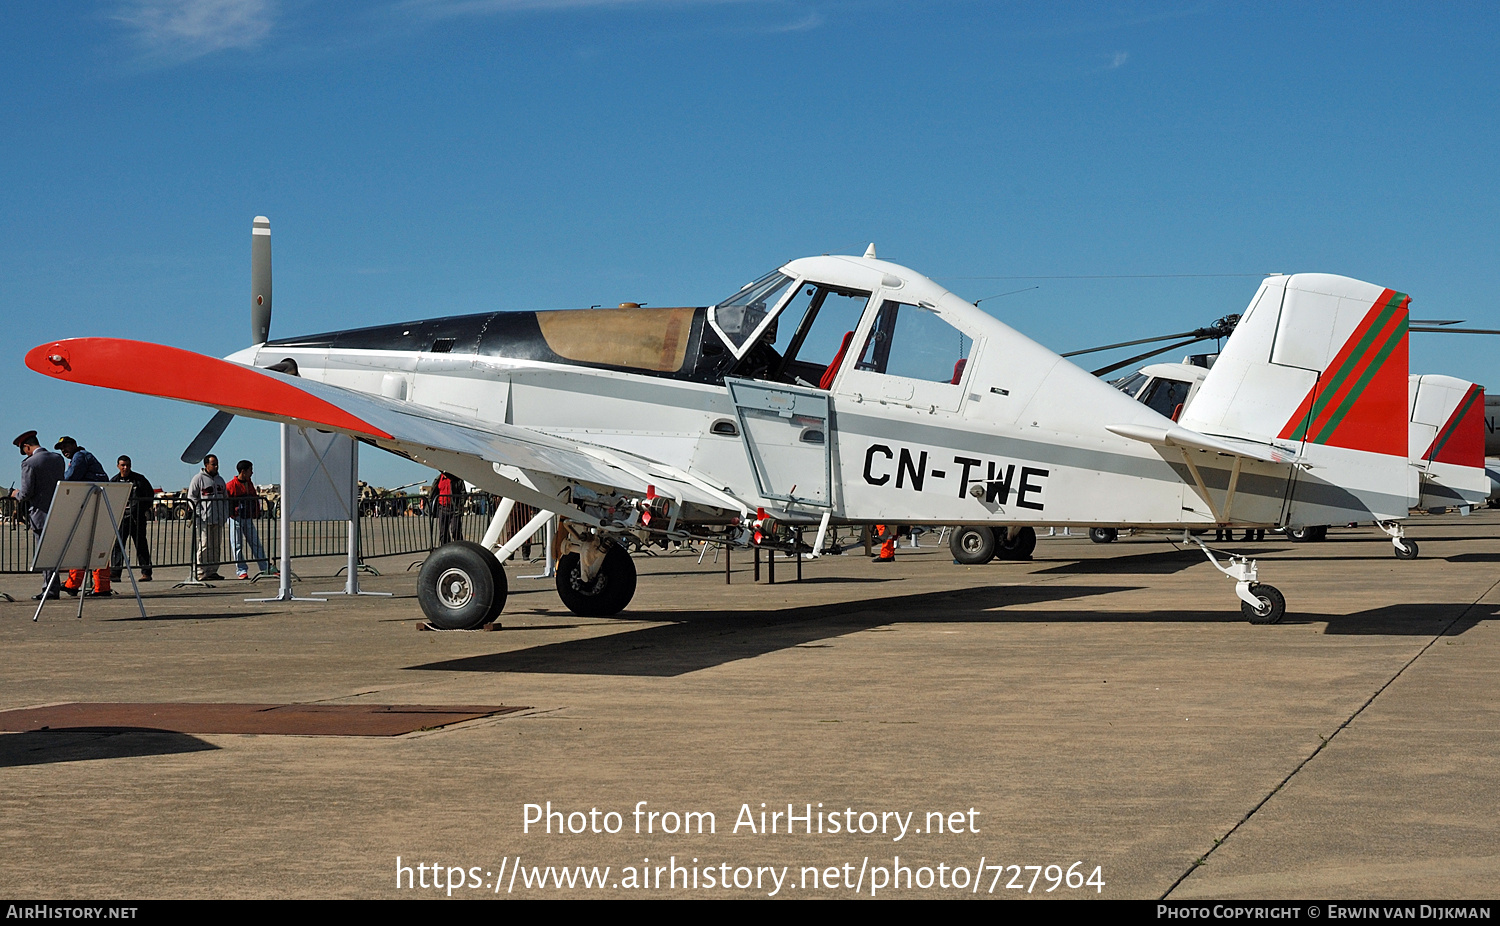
x,y
1405,549
1260,604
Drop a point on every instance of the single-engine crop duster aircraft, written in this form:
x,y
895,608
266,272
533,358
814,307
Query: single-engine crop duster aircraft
x,y
831,390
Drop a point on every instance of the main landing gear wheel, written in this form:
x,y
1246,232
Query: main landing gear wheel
x,y
1103,534
1405,548
610,591
972,545
1017,547
1272,605
1307,534
461,586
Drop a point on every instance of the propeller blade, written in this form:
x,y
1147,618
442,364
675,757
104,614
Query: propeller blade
x,y
206,438
260,280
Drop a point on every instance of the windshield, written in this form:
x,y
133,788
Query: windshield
x,y
1131,384
740,314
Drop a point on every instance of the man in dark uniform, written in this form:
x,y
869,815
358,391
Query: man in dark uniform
x,y
137,512
41,471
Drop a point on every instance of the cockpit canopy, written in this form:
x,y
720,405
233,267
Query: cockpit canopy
x,y
802,323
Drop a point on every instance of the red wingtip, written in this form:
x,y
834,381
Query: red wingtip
x,y
173,373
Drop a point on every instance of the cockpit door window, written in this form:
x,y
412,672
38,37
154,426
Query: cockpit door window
x,y
912,356
915,343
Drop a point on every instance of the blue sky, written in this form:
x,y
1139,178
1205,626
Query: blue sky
x,y
431,157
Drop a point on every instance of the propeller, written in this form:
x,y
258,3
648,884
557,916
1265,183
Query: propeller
x,y
260,281
260,331
206,438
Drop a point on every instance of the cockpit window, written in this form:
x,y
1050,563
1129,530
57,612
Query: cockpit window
x,y
1131,384
802,342
914,342
739,315
1167,396
641,339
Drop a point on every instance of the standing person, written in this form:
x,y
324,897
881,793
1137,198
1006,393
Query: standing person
x,y
210,499
41,471
447,499
83,467
244,508
138,511
888,544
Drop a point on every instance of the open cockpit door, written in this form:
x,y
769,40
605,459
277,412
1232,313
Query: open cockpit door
x,y
788,437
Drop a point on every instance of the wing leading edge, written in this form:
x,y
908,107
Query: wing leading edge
x,y
173,373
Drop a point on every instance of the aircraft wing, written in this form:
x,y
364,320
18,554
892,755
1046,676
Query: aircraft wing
x,y
421,432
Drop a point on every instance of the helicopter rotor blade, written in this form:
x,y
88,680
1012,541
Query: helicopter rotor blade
x,y
1454,330
1165,337
1222,328
1104,371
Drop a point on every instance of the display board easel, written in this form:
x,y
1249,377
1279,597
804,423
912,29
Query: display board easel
x,y
81,533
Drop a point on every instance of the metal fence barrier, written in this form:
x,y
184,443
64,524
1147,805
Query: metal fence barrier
x,y
388,526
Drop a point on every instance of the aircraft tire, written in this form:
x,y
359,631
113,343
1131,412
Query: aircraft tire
x,y
1307,534
1271,600
1018,549
610,591
1103,534
461,586
972,544
1406,548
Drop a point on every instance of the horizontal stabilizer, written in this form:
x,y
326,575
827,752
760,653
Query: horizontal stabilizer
x,y
1184,439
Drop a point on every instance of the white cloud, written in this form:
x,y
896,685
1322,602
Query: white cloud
x,y
187,29
1119,59
811,21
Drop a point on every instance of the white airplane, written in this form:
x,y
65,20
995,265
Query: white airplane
x,y
1447,438
832,390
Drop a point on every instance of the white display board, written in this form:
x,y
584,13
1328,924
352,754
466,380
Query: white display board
x,y
320,480
80,534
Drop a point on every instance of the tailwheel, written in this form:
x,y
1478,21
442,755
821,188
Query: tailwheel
x,y
1271,606
461,586
1103,534
1405,548
608,592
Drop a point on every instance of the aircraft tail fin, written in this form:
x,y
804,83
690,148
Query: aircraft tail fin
x,y
1318,366
1447,441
